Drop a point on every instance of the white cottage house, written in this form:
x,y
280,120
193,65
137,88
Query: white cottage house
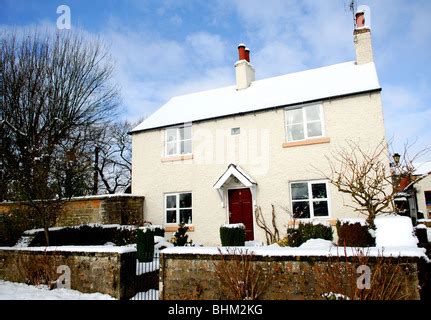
x,y
213,157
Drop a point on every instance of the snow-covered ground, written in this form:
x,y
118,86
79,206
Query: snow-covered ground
x,y
21,291
394,237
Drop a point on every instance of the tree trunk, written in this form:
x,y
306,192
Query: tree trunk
x,y
46,232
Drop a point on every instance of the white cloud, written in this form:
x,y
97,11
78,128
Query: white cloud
x,y
206,47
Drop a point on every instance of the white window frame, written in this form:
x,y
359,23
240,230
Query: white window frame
x,y
310,199
305,122
177,209
178,141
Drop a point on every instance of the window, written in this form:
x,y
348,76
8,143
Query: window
x,y
178,141
304,123
178,208
428,198
309,199
235,131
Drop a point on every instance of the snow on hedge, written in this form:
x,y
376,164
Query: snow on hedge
x,y
21,291
233,226
91,225
395,231
361,221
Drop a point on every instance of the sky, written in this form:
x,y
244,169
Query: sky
x,y
164,48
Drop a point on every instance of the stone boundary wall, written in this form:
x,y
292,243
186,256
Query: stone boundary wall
x,y
192,276
104,209
111,273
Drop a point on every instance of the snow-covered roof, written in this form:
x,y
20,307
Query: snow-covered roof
x,y
290,89
422,168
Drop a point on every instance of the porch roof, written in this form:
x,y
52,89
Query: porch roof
x,y
237,172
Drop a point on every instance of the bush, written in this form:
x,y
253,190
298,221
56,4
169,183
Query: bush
x,y
159,231
232,235
354,235
145,244
181,237
304,232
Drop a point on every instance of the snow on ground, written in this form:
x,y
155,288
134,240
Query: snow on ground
x,y
317,243
395,231
21,291
147,295
160,242
253,243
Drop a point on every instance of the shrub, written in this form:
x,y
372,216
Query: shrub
x,y
307,231
240,278
145,244
232,235
354,235
181,237
389,279
159,231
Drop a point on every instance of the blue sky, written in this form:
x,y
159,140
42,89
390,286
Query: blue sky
x,y
171,47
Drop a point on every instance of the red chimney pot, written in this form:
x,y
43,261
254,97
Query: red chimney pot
x,y
247,54
360,19
241,52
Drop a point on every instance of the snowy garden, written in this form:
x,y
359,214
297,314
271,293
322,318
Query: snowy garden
x,y
393,237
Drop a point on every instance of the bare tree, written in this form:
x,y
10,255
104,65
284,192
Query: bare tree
x,y
113,154
367,176
55,86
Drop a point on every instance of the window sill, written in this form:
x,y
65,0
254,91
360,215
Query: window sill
x,y
174,228
177,158
306,142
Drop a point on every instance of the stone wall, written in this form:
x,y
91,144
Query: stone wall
x,y
193,276
105,272
109,209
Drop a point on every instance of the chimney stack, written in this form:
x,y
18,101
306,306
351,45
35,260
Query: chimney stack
x,y
244,71
362,37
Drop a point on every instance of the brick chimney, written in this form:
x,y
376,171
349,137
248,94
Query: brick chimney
x,y
243,69
362,37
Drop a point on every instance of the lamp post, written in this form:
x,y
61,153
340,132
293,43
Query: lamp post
x,y
396,157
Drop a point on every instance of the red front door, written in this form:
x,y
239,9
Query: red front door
x,y
241,210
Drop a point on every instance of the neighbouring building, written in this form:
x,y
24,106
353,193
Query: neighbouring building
x,y
213,157
415,197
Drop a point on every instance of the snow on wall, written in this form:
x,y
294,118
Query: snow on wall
x,y
319,251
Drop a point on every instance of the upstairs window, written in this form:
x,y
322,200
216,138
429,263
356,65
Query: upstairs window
x,y
178,141
304,123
